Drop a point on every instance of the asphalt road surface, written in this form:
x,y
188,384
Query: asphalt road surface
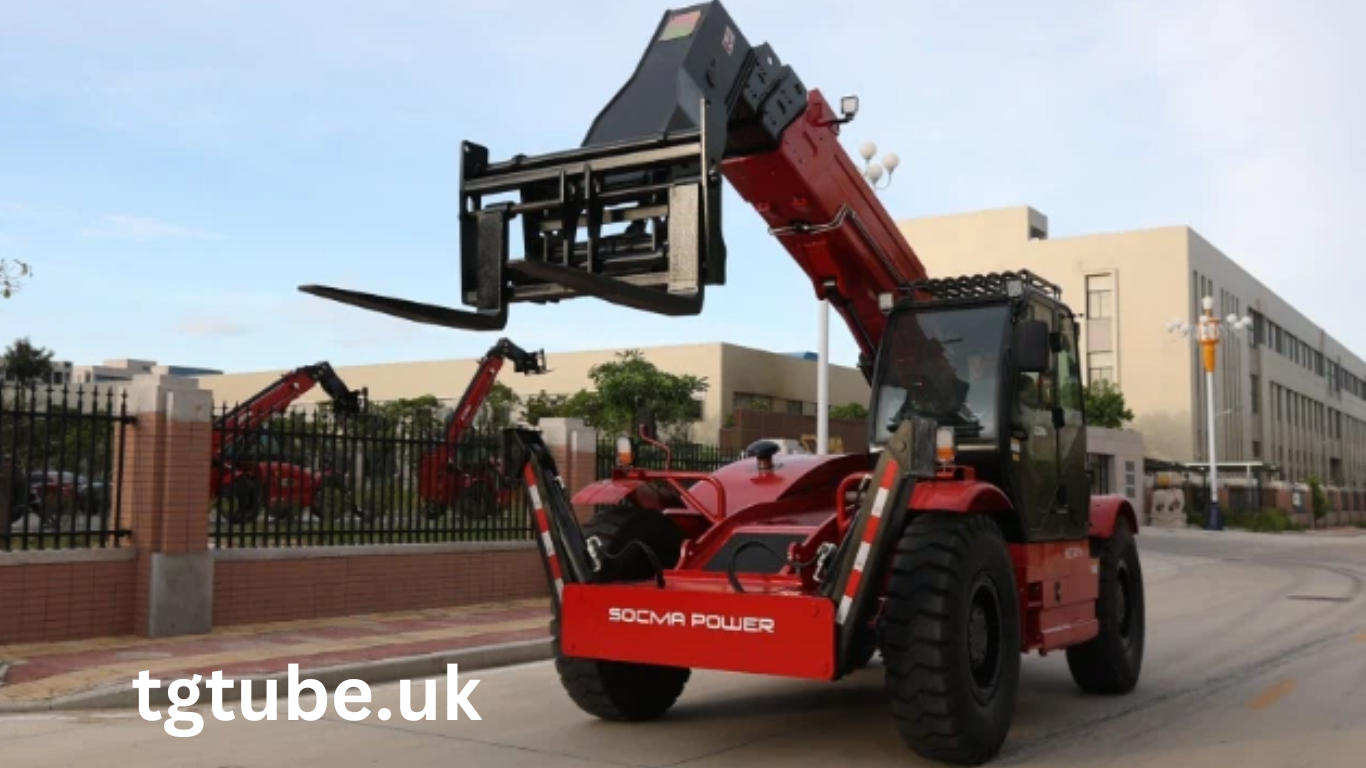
x,y
1256,657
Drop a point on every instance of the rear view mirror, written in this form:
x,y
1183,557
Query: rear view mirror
x,y
1032,346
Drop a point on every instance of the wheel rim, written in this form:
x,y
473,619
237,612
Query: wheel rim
x,y
984,638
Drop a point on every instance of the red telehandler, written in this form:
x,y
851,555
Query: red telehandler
x,y
249,467
442,480
966,537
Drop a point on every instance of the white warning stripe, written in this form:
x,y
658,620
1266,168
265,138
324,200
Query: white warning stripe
x,y
879,501
861,559
846,603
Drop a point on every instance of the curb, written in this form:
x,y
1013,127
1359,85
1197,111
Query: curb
x,y
373,672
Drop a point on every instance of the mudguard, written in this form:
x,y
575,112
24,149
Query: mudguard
x,y
966,496
1105,510
641,494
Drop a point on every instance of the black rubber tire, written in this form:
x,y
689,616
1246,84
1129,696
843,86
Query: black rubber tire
x,y
942,708
1112,662
246,500
614,690
331,501
479,501
866,649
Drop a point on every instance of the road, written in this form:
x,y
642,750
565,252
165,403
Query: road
x,y
1256,657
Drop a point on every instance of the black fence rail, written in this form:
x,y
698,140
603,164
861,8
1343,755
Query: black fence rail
x,y
690,457
319,479
61,456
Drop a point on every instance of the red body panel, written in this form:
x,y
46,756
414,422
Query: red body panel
x,y
1059,583
776,627
1105,510
792,476
609,492
284,485
959,496
698,621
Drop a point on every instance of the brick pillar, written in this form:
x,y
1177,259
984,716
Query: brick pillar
x,y
574,446
165,486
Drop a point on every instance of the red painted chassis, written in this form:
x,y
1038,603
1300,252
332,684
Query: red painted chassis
x,y
779,625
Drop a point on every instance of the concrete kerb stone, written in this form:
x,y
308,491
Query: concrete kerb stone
x,y
374,672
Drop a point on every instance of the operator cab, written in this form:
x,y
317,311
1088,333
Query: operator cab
x,y
992,359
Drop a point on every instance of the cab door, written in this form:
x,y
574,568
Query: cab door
x,y
1033,442
1073,516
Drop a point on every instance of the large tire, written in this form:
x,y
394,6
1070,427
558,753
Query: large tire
x,y
246,500
1111,662
615,690
951,638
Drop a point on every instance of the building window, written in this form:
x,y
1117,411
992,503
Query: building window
x,y
1100,297
1256,450
1100,366
1256,394
1130,480
1099,466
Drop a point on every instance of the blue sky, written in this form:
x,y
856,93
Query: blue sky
x,y
174,170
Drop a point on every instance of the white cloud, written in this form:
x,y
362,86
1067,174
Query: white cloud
x,y
11,209
213,326
143,227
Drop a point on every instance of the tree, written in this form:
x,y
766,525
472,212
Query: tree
x,y
631,382
27,364
12,272
1317,499
1105,406
543,406
421,415
850,412
499,406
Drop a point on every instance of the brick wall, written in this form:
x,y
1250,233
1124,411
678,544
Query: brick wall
x,y
54,596
156,586
256,585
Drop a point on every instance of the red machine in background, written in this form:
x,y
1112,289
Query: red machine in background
x,y
479,490
249,467
966,537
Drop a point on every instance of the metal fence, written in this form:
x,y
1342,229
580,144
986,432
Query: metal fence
x,y
317,479
690,457
61,454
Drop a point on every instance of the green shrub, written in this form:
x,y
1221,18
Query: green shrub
x,y
1265,521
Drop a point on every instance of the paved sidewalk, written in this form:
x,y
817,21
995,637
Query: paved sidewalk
x,y
374,648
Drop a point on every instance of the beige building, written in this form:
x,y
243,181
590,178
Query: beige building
x,y
736,377
1289,394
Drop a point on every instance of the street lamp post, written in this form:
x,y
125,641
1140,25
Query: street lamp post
x,y
872,172
1208,333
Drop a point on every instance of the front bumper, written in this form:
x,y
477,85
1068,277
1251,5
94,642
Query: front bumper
x,y
697,620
